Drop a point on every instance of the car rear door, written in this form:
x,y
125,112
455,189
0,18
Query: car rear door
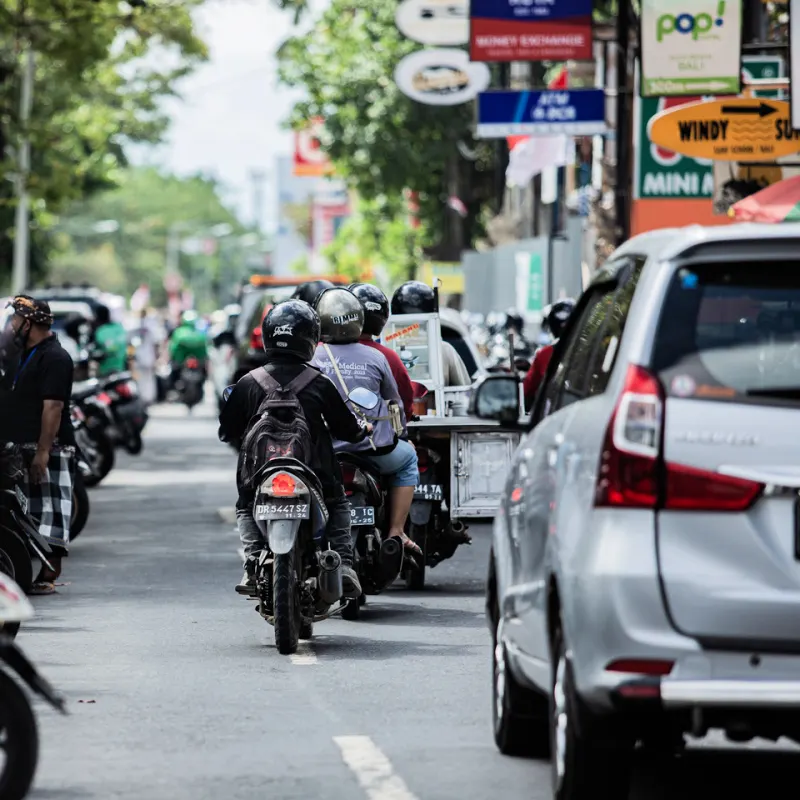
x,y
727,353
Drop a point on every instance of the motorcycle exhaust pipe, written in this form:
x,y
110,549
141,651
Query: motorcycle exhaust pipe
x,y
458,526
390,558
330,577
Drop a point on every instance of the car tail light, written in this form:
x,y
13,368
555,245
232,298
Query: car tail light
x,y
641,666
284,485
256,339
630,474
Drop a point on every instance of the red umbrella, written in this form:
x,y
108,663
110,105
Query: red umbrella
x,y
777,203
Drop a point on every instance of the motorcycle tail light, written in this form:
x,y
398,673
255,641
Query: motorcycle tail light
x,y
284,485
104,398
192,363
125,391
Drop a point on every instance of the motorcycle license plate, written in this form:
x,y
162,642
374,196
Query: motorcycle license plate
x,y
282,510
23,501
362,516
428,492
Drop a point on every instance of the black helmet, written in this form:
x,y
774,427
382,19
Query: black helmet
x,y
375,305
557,316
341,315
310,291
291,327
414,297
514,321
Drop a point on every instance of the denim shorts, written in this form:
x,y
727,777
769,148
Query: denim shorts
x,y
401,464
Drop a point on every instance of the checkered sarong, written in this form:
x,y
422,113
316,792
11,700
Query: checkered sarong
x,y
50,502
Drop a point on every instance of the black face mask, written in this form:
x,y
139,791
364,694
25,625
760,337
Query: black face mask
x,y
21,336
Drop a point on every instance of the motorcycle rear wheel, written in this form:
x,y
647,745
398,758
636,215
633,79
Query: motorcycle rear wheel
x,y
286,602
134,444
415,578
21,740
104,462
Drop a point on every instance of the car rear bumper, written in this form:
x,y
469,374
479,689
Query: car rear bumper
x,y
730,693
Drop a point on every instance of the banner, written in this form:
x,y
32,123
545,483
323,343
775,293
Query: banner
x,y
310,161
510,30
695,53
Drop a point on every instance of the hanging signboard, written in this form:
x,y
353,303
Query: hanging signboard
x,y
443,23
531,30
310,160
794,61
443,77
575,112
693,53
737,129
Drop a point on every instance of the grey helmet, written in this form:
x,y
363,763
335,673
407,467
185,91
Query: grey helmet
x,y
341,315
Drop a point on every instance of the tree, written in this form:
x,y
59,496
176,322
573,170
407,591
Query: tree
x,y
130,248
98,86
381,141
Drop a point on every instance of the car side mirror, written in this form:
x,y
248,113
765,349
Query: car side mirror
x,y
496,398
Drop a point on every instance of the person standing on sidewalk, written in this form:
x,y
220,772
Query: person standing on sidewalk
x,y
35,421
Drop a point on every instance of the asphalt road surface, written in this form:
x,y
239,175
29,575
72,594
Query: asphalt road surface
x,y
176,691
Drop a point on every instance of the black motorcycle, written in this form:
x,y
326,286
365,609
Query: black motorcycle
x,y
298,578
17,722
378,559
191,383
20,540
91,437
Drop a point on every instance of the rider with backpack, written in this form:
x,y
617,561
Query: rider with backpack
x,y
287,408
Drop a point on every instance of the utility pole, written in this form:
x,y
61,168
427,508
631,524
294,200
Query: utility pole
x,y
753,22
257,180
623,124
20,272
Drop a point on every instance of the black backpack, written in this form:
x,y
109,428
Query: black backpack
x,y
279,429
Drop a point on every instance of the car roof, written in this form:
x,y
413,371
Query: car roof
x,y
669,243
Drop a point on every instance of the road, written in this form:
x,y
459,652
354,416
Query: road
x,y
176,691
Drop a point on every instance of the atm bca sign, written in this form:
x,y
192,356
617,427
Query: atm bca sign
x,y
739,129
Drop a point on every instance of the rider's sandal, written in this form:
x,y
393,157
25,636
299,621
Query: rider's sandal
x,y
42,588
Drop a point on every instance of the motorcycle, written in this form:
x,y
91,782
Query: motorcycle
x,y
20,540
298,578
378,559
92,440
20,737
113,406
191,383
80,502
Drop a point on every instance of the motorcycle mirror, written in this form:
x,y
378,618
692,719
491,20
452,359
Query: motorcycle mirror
x,y
227,392
363,398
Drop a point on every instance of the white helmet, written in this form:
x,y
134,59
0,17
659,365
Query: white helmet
x,y
14,606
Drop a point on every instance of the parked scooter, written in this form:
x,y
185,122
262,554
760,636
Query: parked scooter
x,y
20,737
20,540
94,446
191,383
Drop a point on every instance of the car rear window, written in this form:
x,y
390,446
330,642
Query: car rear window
x,y
732,332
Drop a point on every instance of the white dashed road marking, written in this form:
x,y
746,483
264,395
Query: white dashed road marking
x,y
373,769
304,655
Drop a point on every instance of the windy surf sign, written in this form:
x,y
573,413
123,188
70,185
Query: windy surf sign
x,y
736,129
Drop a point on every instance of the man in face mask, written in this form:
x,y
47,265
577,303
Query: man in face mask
x,y
34,416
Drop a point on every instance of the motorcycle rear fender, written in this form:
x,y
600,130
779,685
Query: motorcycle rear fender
x,y
16,660
31,536
282,535
421,511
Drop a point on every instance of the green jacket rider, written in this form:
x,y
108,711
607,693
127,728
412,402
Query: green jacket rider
x,y
187,342
111,341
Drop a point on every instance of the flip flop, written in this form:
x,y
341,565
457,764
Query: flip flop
x,y
42,588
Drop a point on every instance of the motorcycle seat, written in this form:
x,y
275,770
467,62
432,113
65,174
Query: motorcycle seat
x,y
84,389
360,462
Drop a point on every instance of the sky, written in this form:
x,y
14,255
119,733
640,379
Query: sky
x,y
229,120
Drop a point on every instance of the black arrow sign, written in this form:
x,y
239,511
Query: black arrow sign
x,y
761,110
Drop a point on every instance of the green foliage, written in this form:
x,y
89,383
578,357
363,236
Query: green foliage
x,y
377,240
145,206
380,140
100,75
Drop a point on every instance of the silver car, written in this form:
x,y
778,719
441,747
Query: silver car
x,y
644,580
